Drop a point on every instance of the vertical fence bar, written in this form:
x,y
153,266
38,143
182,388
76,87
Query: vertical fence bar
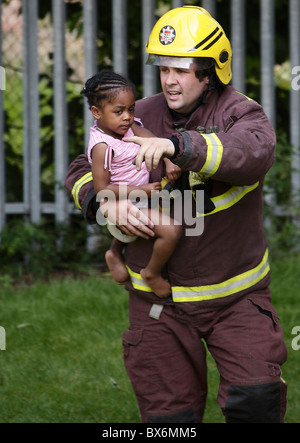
x,y
267,62
26,155
210,6
90,56
149,72
294,27
2,156
32,180
119,18
177,3
238,41
91,65
60,110
267,33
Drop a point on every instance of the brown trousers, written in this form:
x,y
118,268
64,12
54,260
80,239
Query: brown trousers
x,y
165,358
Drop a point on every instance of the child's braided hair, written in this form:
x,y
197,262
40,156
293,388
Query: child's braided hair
x,y
105,86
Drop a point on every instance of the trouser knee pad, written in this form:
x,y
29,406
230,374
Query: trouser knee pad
x,y
255,404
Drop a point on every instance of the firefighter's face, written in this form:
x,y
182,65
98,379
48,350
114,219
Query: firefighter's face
x,y
182,89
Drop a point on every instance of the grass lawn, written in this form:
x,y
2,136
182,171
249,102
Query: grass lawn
x,y
63,359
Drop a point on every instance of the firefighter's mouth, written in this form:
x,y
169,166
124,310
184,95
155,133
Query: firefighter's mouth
x,y
174,93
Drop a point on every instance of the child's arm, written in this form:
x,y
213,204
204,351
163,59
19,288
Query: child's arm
x,y
101,176
173,171
140,131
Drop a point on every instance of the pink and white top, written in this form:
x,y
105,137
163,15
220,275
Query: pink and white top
x,y
119,157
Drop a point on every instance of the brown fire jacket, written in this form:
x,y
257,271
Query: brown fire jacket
x,y
230,142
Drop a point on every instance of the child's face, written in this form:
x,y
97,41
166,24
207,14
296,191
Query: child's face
x,y
115,118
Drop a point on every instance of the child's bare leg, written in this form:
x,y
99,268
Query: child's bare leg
x,y
167,237
115,262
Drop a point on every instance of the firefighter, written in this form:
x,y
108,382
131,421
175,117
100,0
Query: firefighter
x,y
221,301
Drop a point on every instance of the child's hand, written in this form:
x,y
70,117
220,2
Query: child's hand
x,y
173,172
156,186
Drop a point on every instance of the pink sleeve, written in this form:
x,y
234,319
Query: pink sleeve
x,y
139,122
108,158
96,137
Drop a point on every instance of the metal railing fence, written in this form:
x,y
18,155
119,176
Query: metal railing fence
x,y
32,204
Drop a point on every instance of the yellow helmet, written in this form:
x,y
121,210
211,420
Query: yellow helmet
x,y
187,35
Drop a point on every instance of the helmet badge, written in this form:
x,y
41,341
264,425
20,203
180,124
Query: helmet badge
x,y
167,35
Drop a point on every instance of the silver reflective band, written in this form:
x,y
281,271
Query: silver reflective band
x,y
229,287
180,62
232,286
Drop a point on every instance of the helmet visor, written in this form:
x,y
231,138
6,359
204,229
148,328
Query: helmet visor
x,y
199,63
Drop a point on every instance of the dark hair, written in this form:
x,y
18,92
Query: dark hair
x,y
105,85
214,82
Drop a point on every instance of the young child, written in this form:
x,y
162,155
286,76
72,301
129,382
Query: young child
x,y
111,99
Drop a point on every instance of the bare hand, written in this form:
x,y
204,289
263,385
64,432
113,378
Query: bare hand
x,y
151,151
173,171
149,187
129,219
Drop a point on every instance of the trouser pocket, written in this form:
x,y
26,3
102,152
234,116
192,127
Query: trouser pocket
x,y
139,365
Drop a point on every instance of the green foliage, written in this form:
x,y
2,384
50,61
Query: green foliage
x,y
75,130
283,233
13,136
41,250
278,178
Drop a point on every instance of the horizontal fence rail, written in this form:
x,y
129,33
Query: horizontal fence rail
x,y
32,204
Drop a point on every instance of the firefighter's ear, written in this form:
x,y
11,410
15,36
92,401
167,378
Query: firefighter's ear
x,y
96,112
206,80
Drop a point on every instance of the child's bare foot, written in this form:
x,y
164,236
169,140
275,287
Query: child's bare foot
x,y
159,285
116,266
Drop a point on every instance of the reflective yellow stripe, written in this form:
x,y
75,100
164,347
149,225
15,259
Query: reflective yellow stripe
x,y
230,198
78,185
214,155
224,289
137,281
210,292
248,98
